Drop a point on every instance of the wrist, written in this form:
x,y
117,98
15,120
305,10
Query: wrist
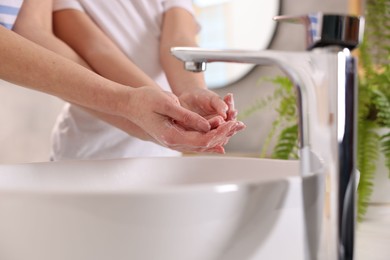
x,y
124,100
188,87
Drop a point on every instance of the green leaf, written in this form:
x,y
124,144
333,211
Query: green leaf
x,y
287,145
385,145
367,156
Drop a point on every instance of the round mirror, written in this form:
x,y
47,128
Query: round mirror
x,y
234,24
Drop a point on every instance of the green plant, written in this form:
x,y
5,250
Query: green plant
x,y
283,101
373,99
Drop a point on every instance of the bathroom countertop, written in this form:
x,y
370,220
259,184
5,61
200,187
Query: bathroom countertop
x,y
373,234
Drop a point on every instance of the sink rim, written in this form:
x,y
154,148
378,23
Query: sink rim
x,y
221,186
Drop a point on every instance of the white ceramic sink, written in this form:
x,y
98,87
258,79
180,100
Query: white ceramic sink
x,y
191,208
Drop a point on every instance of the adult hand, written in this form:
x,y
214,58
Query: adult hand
x,y
213,141
161,116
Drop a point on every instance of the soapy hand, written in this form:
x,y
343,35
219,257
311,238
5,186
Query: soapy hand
x,y
192,141
173,126
220,113
209,105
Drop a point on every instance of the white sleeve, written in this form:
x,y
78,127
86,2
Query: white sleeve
x,y
186,4
67,4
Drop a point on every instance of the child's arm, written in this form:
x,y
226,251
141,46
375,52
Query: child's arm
x,y
180,29
78,30
34,22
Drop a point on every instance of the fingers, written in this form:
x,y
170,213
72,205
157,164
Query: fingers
x,y
231,112
223,133
217,149
176,127
220,106
186,118
191,141
216,121
187,131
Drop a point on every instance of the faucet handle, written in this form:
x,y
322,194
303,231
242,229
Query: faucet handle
x,y
324,30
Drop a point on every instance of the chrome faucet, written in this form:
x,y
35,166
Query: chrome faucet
x,y
325,78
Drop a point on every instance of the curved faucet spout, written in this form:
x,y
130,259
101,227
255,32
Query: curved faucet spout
x,y
305,69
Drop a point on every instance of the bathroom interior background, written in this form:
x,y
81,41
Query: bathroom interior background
x,y
26,116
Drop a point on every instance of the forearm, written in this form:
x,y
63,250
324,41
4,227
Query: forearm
x,y
123,124
103,98
179,29
34,22
179,79
50,42
33,66
85,37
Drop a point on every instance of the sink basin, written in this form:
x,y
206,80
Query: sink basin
x,y
189,208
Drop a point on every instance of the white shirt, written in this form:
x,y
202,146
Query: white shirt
x,y
135,26
9,10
